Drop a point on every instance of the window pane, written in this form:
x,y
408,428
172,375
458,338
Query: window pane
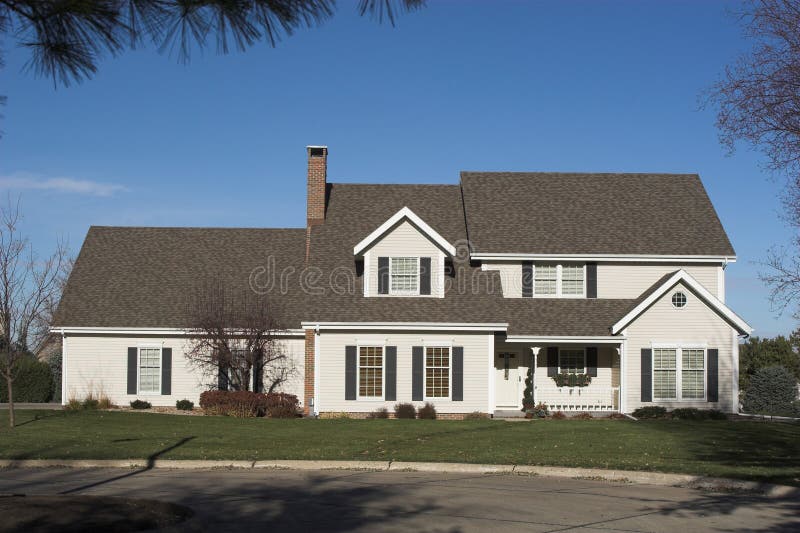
x,y
437,372
571,361
544,280
665,373
693,380
149,370
572,279
693,359
404,274
370,371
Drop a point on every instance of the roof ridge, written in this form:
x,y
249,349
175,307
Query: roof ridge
x,y
100,226
489,173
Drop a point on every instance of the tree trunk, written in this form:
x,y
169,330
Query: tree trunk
x,y
10,387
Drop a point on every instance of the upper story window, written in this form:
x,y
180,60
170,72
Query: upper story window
x,y
404,275
557,280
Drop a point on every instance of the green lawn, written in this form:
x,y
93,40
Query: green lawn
x,y
749,450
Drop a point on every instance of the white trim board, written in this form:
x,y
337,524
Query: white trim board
x,y
406,326
564,339
606,258
405,213
149,331
682,276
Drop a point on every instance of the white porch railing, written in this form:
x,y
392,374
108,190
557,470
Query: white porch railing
x,y
580,398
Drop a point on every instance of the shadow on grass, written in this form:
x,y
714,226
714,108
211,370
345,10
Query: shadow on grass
x,y
37,417
151,461
773,447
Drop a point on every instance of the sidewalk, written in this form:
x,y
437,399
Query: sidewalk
x,y
51,405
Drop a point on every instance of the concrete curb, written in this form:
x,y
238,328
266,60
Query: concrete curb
x,y
624,476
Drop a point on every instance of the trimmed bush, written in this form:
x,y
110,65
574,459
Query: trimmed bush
x,y
541,410
140,404
772,391
476,415
381,412
405,410
690,413
583,416
651,411
184,405
559,415
248,404
90,402
33,384
427,412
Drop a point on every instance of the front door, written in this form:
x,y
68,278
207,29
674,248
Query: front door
x,y
508,394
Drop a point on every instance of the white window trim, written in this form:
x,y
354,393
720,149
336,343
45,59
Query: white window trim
x,y
426,398
678,371
559,280
584,358
404,293
383,372
160,349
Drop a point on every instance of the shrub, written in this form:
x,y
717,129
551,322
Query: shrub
x,y
572,380
140,404
73,405
541,410
650,411
772,391
583,416
559,415
690,413
476,415
405,410
282,405
184,405
427,412
33,384
381,412
90,402
248,404
104,402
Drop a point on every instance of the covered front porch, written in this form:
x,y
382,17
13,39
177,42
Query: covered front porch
x,y
569,375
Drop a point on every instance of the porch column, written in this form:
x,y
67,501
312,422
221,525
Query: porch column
x,y
534,357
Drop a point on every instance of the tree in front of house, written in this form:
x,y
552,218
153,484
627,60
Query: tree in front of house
x,y
233,338
29,285
758,353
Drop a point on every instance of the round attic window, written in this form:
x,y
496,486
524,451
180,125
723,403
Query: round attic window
x,y
679,300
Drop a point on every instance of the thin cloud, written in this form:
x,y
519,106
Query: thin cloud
x,y
65,185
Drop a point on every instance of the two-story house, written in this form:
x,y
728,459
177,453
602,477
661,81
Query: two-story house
x,y
610,287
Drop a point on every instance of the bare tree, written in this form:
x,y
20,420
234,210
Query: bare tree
x,y
234,335
28,287
759,103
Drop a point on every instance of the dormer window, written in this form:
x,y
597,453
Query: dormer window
x,y
553,280
404,275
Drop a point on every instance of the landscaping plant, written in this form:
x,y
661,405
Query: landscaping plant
x,y
184,405
33,382
427,412
650,411
691,413
772,391
140,404
405,410
381,412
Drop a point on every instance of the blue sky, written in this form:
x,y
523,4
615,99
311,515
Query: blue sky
x,y
566,86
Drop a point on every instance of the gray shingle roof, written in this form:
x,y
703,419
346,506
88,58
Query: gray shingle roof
x,y
555,213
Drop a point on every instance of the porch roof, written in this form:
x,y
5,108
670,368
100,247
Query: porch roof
x,y
547,317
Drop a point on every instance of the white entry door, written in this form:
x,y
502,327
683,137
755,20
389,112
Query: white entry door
x,y
508,393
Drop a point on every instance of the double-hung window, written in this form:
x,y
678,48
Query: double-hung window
x,y
150,370
551,280
572,361
404,275
437,372
679,373
370,371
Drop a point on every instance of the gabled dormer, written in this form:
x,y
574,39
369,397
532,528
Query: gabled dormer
x,y
404,257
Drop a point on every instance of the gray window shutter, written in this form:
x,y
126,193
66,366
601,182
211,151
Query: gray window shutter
x,y
458,374
647,375
390,360
527,279
552,361
133,360
591,280
591,361
166,371
424,275
350,370
383,275
712,375
416,373
222,378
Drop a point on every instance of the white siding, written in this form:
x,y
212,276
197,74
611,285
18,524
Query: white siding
x,y
619,280
98,364
405,240
331,362
694,324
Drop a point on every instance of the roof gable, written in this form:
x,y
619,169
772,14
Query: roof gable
x,y
404,214
664,285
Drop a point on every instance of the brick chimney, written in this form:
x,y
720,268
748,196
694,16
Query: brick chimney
x,y
317,181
